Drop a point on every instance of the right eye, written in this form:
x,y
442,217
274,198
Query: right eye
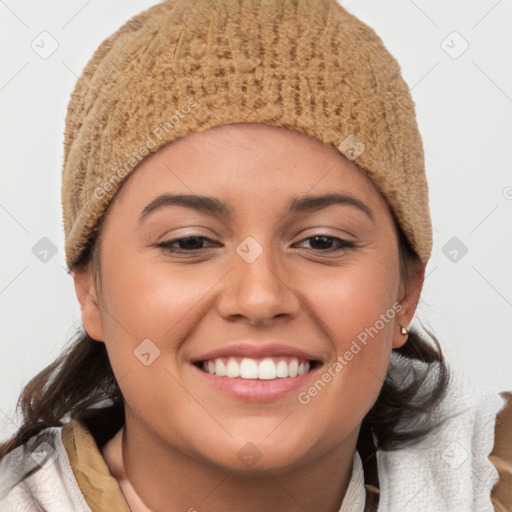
x,y
187,244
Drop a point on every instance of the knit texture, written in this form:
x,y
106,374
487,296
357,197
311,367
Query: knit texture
x,y
188,65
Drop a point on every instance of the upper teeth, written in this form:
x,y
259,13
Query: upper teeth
x,y
247,368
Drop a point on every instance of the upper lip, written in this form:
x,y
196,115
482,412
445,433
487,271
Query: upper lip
x,y
256,351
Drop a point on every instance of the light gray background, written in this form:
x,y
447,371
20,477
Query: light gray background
x,y
464,110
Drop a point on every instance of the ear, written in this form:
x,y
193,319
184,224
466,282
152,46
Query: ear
x,y
85,289
409,297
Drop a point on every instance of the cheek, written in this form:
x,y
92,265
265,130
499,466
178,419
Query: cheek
x,y
356,310
144,301
147,313
144,297
353,301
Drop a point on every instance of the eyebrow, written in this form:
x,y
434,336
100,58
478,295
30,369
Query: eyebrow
x,y
212,205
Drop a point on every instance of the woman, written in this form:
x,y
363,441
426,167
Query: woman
x,y
247,227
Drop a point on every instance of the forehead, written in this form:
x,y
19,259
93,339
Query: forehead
x,y
246,162
248,134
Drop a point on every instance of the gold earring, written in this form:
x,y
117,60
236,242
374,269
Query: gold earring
x,y
403,330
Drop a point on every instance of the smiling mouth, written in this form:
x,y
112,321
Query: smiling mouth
x,y
265,368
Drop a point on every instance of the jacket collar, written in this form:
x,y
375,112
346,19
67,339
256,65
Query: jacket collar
x,y
102,492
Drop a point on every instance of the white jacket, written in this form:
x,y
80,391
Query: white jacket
x,y
51,485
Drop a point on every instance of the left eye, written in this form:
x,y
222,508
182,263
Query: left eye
x,y
323,239
194,243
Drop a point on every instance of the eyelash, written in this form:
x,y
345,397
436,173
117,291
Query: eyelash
x,y
345,244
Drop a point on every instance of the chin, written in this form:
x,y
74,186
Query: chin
x,y
246,456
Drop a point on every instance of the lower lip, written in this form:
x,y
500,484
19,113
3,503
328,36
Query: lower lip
x,y
257,389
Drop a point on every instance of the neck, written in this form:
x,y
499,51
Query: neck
x,y
154,476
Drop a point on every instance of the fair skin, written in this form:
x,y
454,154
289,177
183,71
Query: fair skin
x,y
180,443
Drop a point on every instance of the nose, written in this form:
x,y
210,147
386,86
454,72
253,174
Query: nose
x,y
258,291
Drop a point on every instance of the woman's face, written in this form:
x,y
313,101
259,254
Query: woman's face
x,y
265,277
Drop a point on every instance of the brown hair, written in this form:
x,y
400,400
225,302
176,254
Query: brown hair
x,y
81,379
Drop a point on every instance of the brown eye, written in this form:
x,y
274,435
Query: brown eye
x,y
187,244
324,243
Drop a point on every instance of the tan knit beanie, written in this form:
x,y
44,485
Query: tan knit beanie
x,y
189,65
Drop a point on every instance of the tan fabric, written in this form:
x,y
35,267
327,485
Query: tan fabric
x,y
99,487
501,457
102,491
